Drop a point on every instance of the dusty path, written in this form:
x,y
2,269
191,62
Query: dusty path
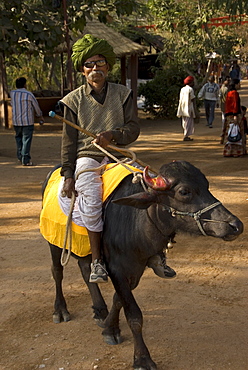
x,y
196,322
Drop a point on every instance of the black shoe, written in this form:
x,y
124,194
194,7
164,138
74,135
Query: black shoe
x,y
98,272
28,164
160,268
187,138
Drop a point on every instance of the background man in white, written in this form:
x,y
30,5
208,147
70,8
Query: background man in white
x,y
186,108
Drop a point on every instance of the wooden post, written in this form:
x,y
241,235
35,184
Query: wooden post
x,y
62,87
123,71
3,94
67,39
134,79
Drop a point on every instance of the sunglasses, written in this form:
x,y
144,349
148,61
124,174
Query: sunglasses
x,y
98,63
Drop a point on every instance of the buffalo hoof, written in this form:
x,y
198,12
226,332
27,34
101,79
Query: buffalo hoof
x,y
100,315
61,316
112,339
100,323
145,364
146,368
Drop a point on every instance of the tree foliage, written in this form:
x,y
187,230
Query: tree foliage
x,y
189,43
187,35
35,25
28,27
232,7
161,93
34,28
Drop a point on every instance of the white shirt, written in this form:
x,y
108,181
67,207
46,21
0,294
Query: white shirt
x,y
186,106
24,107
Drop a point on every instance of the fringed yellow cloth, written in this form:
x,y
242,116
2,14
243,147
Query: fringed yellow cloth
x,y
53,220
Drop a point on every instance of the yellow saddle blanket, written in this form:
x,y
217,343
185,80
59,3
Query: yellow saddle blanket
x,y
53,220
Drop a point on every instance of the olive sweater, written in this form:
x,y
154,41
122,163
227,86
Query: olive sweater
x,y
111,110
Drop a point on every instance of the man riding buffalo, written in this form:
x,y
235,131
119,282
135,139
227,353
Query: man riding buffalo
x,y
106,110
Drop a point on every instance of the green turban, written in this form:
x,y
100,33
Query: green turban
x,y
89,46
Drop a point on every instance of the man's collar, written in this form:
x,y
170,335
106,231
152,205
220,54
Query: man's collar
x,y
89,88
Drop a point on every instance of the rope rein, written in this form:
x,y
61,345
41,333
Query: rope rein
x,y
137,177
195,215
68,233
127,152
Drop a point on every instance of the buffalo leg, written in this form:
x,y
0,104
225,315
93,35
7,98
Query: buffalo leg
x,y
112,332
60,309
142,358
99,306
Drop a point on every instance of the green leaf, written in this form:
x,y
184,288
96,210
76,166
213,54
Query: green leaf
x,y
37,28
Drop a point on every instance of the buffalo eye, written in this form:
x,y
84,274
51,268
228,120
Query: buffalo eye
x,y
184,194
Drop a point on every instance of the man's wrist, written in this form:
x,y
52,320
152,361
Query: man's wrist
x,y
67,173
69,177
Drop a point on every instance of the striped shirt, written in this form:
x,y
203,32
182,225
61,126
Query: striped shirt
x,y
24,107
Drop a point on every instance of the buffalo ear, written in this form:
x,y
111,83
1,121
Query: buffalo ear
x,y
139,200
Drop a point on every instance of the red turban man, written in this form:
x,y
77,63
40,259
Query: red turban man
x,y
188,80
186,108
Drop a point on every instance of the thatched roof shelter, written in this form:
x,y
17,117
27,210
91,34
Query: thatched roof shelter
x,y
122,45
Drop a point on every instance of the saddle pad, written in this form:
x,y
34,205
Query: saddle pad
x,y
53,220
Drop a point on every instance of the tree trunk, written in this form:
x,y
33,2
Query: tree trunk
x,y
3,93
134,79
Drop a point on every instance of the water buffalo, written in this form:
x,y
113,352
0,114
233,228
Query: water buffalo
x,y
138,224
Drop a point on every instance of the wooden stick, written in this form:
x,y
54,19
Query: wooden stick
x,y
62,119
88,133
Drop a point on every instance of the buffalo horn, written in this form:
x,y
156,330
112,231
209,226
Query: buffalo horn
x,y
156,183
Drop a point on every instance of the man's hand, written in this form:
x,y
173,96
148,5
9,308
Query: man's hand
x,y
41,120
103,139
69,187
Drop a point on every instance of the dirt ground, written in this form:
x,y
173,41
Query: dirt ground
x,y
197,321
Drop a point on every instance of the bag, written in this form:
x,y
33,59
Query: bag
x,y
234,134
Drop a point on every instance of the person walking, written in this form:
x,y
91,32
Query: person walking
x,y
222,96
210,93
235,71
24,108
186,108
233,135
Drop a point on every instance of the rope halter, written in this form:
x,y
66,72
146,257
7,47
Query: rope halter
x,y
195,215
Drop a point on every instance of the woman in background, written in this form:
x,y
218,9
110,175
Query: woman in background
x,y
233,122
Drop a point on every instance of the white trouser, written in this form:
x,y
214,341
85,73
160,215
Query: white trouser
x,y
87,210
188,125
88,205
